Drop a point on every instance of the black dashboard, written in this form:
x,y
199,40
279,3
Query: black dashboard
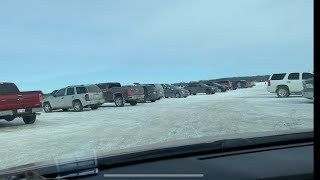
x,y
281,162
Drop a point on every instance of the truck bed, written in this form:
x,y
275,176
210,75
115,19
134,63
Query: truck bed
x,y
20,100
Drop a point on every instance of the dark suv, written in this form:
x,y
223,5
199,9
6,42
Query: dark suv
x,y
195,88
159,89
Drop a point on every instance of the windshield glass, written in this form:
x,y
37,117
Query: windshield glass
x,y
259,52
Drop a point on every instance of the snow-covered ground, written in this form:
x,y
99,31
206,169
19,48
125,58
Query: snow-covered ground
x,y
111,128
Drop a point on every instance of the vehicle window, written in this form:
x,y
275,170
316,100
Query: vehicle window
x,y
307,75
112,85
81,90
94,88
8,88
278,76
61,92
293,76
102,86
70,91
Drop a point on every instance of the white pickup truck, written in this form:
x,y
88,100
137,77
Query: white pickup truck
x,y
285,84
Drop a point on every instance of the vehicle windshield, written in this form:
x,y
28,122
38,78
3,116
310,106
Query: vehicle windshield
x,y
232,67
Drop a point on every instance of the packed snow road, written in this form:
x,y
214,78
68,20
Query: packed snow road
x,y
111,128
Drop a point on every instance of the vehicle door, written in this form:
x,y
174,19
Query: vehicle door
x,y
109,91
294,82
69,97
191,88
58,99
9,96
168,91
202,88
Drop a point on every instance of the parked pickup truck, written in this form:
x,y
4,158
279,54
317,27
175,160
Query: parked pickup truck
x,y
14,103
114,92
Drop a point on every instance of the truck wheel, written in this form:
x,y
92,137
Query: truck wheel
x,y
77,106
282,92
47,107
65,109
29,119
133,103
94,107
119,101
9,118
178,95
153,101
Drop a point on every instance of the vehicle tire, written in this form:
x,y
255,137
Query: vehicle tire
x,y
47,107
283,92
194,93
9,118
133,103
119,101
29,119
153,101
94,107
177,95
77,106
65,110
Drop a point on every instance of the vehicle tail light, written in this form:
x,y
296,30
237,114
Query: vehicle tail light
x,y
87,97
268,82
41,97
129,92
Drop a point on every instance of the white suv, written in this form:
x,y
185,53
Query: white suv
x,y
76,97
285,84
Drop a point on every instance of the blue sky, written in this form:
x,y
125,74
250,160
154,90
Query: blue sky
x,y
46,45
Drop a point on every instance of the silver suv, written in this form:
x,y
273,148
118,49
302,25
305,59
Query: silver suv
x,y
76,97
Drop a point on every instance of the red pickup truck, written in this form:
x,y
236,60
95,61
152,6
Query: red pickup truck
x,y
14,103
114,92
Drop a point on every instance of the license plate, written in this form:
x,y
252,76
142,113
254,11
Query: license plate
x,y
21,110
